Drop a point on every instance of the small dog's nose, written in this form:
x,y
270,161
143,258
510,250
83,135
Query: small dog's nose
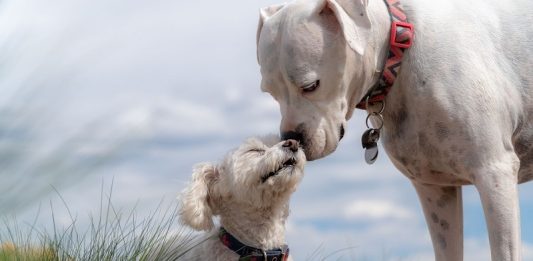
x,y
292,145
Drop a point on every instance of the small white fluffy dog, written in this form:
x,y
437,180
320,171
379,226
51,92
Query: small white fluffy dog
x,y
249,190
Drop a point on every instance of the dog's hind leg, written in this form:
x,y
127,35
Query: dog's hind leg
x,y
443,209
498,189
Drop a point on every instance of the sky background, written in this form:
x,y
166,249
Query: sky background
x,y
133,93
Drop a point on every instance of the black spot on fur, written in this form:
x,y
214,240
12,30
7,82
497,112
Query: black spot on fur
x,y
448,195
433,172
403,160
450,191
397,121
434,217
444,224
428,149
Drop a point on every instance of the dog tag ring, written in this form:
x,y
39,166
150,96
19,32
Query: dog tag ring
x,y
369,142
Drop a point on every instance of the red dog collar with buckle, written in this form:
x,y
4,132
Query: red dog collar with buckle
x,y
401,38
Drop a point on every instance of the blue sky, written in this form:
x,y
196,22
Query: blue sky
x,y
136,92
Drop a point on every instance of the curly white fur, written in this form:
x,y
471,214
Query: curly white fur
x,y
251,210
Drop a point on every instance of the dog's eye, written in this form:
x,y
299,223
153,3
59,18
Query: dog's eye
x,y
260,151
311,87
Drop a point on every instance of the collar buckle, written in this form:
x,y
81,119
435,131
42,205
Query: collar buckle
x,y
401,34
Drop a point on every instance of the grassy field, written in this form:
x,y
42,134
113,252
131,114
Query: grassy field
x,y
111,235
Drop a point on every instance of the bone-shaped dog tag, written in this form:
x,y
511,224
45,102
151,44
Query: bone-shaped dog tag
x,y
369,141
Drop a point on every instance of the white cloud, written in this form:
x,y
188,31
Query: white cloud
x,y
379,241
527,251
375,209
174,117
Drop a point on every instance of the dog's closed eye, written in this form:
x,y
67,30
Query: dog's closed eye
x,y
260,151
311,87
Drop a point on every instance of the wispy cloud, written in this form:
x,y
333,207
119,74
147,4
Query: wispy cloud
x,y
375,209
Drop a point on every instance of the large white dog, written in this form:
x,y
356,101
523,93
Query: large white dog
x,y
459,113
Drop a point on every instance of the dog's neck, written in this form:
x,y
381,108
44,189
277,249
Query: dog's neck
x,y
375,53
378,46
256,227
401,92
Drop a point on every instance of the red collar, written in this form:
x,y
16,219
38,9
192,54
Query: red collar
x,y
401,38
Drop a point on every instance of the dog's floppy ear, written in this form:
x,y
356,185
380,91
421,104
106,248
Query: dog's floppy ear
x,y
196,210
264,14
353,18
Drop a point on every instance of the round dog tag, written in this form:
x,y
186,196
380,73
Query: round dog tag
x,y
371,153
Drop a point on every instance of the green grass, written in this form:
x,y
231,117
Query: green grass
x,y
112,234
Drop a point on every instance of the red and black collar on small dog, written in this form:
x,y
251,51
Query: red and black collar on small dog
x,y
401,38
248,253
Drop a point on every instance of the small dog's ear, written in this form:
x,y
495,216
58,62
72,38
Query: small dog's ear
x,y
195,208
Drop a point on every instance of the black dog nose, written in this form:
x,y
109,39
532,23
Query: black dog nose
x,y
292,145
292,135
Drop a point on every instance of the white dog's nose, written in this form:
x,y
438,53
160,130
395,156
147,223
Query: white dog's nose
x,y
292,145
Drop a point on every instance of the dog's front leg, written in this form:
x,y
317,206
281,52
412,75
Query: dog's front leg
x,y
498,189
443,209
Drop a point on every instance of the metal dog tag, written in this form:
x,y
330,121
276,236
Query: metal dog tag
x,y
369,142
371,154
370,136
